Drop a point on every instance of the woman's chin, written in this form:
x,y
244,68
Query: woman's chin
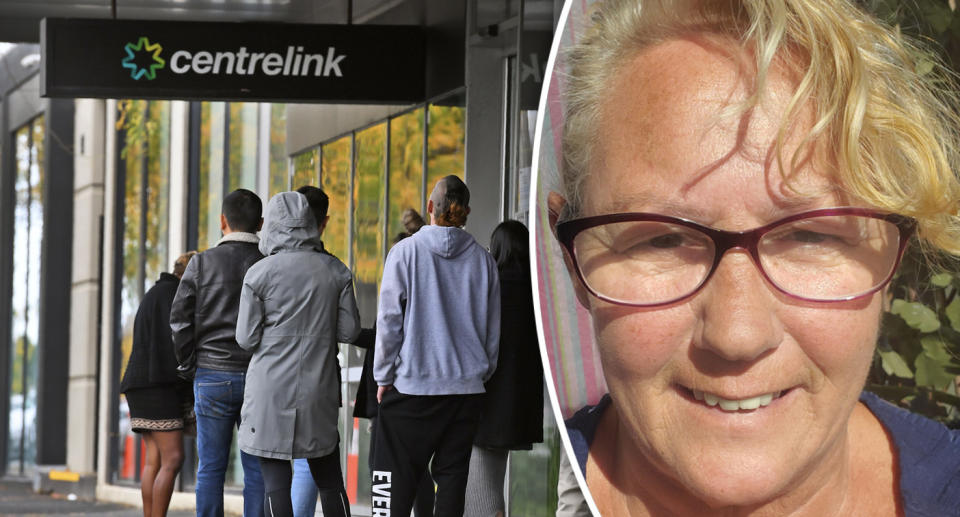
x,y
718,487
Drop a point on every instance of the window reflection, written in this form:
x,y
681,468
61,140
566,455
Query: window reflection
x,y
212,120
335,180
278,149
368,198
445,140
533,473
244,118
25,324
406,168
306,168
157,210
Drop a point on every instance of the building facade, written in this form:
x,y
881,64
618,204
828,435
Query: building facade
x,y
101,195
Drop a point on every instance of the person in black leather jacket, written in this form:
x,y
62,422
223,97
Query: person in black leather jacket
x,y
203,320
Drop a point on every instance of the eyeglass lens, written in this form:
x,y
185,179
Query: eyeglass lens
x,y
830,257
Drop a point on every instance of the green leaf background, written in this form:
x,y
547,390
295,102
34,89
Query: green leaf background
x,y
917,362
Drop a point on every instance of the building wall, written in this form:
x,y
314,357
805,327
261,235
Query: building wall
x,y
88,196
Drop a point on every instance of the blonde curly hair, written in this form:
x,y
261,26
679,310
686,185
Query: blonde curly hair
x,y
888,125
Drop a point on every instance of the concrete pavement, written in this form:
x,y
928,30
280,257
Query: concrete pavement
x,y
18,499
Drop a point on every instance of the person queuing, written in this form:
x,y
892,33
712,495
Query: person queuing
x,y
366,405
303,490
512,416
295,306
155,394
412,221
438,328
203,320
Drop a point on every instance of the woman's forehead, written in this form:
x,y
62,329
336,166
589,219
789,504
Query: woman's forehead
x,y
669,135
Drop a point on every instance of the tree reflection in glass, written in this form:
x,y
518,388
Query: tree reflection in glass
x,y
406,168
335,180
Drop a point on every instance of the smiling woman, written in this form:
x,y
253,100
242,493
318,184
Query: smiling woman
x,y
740,180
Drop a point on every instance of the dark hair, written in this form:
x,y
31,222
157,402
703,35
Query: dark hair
x,y
180,265
243,210
411,221
317,199
510,244
451,201
399,237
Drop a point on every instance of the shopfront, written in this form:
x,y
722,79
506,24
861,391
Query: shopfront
x,y
35,239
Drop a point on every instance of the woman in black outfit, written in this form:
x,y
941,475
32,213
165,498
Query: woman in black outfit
x,y
513,407
156,396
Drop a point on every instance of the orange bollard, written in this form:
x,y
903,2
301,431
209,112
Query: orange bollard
x,y
126,472
353,462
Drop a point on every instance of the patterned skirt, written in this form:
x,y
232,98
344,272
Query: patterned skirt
x,y
157,408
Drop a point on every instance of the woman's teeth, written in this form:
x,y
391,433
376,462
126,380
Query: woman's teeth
x,y
735,405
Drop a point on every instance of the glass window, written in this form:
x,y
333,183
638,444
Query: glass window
x,y
145,171
355,447
406,169
279,174
520,176
244,118
369,195
446,131
212,120
228,160
335,180
533,474
306,168
25,320
157,209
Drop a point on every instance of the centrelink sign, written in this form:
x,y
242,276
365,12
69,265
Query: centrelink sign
x,y
232,61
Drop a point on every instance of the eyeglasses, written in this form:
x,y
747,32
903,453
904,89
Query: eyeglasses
x,y
647,260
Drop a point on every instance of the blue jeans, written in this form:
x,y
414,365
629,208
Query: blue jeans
x,y
218,398
303,491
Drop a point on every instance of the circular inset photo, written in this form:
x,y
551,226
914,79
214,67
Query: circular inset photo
x,y
746,229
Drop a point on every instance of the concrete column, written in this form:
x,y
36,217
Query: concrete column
x,y
88,143
484,147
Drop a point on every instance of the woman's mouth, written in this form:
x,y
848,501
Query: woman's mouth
x,y
746,404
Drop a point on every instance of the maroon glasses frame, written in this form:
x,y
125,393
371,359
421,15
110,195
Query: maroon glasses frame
x,y
726,240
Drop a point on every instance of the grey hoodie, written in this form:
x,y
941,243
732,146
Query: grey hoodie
x,y
438,320
295,305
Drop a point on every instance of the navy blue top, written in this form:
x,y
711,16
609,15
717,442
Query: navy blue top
x,y
928,454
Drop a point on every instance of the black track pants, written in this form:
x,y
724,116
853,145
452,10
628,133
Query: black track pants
x,y
411,429
325,470
423,503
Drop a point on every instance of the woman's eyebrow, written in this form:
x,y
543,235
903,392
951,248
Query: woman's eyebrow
x,y
645,202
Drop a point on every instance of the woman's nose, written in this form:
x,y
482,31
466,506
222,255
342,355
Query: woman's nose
x,y
738,311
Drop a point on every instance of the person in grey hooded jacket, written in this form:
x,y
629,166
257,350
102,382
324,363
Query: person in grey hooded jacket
x,y
295,306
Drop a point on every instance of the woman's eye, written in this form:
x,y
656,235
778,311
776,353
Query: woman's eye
x,y
670,240
807,236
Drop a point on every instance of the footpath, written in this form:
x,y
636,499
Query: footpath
x,y
17,498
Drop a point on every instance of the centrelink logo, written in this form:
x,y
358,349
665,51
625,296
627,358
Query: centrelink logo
x,y
143,46
295,62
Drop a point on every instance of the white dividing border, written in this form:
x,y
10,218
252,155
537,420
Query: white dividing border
x,y
534,272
